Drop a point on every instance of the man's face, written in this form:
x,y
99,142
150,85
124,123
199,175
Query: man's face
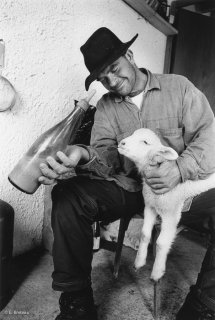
x,y
119,77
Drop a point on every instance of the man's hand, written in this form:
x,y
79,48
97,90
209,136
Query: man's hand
x,y
163,178
53,169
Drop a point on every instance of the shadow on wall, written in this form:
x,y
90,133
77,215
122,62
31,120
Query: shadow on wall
x,y
21,266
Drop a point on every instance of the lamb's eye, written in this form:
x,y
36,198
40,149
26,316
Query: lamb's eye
x,y
145,142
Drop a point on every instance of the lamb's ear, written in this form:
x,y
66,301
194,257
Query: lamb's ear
x,y
168,153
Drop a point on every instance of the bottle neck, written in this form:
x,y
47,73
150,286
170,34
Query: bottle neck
x,y
76,112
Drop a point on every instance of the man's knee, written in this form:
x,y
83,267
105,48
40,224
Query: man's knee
x,y
62,202
209,221
62,189
70,200
57,191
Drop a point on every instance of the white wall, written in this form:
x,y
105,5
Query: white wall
x,y
44,63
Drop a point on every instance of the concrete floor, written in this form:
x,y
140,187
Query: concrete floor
x,y
128,298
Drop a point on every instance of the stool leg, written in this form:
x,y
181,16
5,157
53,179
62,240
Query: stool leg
x,y
122,228
157,299
157,285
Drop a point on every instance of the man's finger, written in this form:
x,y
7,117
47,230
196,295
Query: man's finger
x,y
57,167
160,191
65,160
47,172
152,181
46,181
157,186
152,174
90,95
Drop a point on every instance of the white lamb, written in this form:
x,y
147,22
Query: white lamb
x,y
145,148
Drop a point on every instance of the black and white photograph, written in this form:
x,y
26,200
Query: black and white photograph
x,y
107,160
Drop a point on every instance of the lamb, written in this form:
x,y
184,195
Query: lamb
x,y
144,148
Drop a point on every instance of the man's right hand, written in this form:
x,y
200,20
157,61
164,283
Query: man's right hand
x,y
53,169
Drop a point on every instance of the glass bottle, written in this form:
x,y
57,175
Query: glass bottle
x,y
96,236
25,174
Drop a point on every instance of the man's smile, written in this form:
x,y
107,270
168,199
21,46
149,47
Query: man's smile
x,y
118,87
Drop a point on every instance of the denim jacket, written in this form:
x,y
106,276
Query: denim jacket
x,y
173,108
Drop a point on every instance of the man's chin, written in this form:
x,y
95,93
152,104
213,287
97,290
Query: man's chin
x,y
123,91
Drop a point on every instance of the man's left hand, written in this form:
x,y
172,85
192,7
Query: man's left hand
x,y
163,178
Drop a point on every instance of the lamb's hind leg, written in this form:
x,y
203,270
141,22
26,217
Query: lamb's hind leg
x,y
148,223
163,244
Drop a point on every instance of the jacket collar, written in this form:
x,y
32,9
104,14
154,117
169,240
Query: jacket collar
x,y
151,84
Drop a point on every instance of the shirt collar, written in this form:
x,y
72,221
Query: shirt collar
x,y
152,83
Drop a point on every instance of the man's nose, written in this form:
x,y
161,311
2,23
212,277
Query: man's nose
x,y
112,80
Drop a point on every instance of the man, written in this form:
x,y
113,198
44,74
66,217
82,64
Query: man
x,y
107,185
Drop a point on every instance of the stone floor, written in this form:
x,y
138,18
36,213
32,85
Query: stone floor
x,y
128,298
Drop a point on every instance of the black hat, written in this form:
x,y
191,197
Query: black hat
x,y
102,49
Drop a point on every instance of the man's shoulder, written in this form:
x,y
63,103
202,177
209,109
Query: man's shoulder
x,y
108,99
169,77
108,96
173,82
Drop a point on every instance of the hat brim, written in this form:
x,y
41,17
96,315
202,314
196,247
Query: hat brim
x,y
118,53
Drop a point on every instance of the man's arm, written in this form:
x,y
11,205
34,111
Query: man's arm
x,y
198,159
104,157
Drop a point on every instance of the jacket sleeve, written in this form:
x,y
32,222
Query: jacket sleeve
x,y
198,158
104,157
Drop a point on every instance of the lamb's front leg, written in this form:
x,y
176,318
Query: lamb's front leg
x,y
148,223
164,242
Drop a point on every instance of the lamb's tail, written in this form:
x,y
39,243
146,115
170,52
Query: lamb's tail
x,y
192,188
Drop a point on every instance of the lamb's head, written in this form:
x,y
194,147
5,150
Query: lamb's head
x,y
144,146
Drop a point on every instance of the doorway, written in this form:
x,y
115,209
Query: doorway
x,y
193,53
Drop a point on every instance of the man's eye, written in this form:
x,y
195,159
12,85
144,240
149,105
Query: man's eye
x,y
114,70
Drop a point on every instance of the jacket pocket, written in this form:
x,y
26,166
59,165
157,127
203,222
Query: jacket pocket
x,y
124,135
172,138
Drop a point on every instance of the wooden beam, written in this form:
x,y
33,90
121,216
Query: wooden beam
x,y
141,7
177,4
168,54
183,3
207,6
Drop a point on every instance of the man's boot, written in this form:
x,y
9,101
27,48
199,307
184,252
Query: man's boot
x,y
200,301
77,306
194,309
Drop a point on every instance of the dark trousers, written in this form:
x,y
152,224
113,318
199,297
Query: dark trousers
x,y
80,201
77,203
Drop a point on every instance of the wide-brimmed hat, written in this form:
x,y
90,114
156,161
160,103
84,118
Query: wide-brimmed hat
x,y
102,49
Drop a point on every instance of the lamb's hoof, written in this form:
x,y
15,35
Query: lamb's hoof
x,y
135,269
139,264
156,275
154,281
